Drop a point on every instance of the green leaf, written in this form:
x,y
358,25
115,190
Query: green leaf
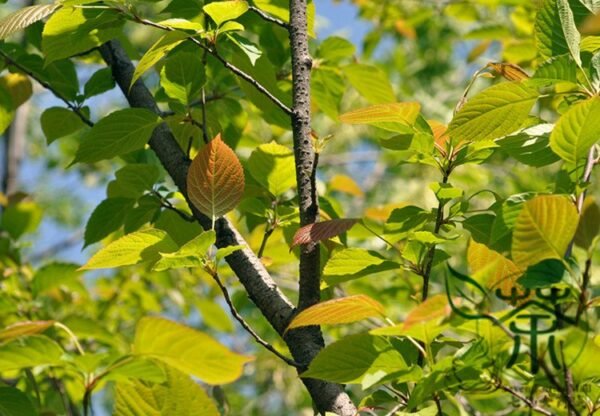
x,y
406,219
28,352
493,113
577,131
59,122
133,180
182,77
280,9
187,350
557,69
589,224
24,17
544,229
192,254
371,82
353,263
73,30
335,48
106,218
338,311
445,191
158,51
221,11
118,133
20,218
214,316
141,246
6,110
355,359
250,49
134,367
327,88
100,82
569,28
554,26
531,146
272,166
14,402
55,275
543,274
179,395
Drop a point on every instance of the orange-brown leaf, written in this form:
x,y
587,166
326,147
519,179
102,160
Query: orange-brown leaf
x,y
318,231
511,72
215,179
435,307
339,311
24,328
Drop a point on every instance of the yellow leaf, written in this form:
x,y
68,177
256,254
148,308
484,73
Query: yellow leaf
x,y
434,308
403,113
492,268
338,311
18,86
344,183
543,230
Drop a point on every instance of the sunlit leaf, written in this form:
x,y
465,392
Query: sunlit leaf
x,y
188,350
338,311
134,248
381,115
24,17
215,180
221,11
179,395
191,254
156,52
543,230
28,352
577,131
493,113
371,82
272,165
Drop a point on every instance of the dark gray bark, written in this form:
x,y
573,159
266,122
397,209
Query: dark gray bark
x,y
304,343
304,151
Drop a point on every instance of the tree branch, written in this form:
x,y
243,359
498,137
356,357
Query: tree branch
x,y
245,325
305,156
303,343
49,87
533,406
268,17
237,71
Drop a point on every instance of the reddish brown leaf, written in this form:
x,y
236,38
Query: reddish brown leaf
x,y
215,179
316,232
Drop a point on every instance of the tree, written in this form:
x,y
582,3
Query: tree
x,y
225,185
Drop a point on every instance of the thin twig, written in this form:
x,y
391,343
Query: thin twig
x,y
225,63
532,405
568,383
246,326
268,17
557,385
49,87
263,244
583,295
165,203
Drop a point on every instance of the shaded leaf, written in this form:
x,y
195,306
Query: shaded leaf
x,y
589,224
353,263
182,77
106,218
118,133
14,402
371,82
543,274
156,52
355,358
59,122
